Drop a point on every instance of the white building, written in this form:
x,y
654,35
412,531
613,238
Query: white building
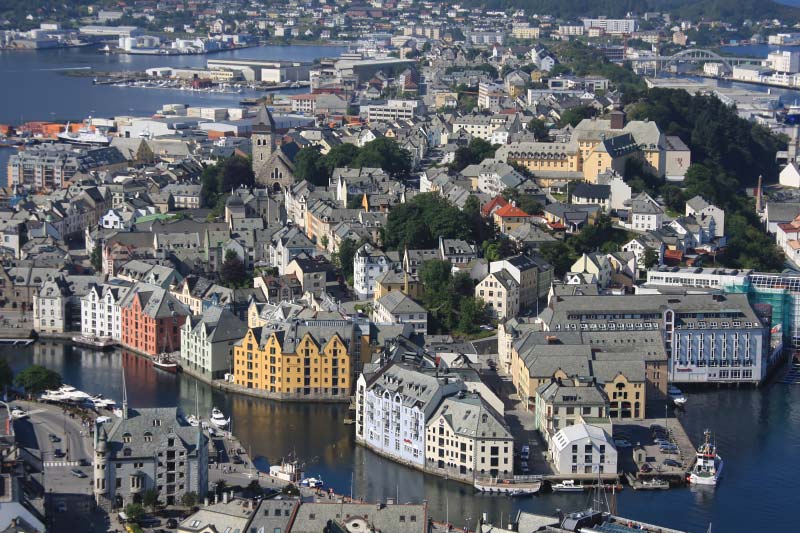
x,y
207,341
50,308
397,308
466,436
783,61
790,176
392,409
583,449
699,208
393,110
100,312
368,264
612,26
500,292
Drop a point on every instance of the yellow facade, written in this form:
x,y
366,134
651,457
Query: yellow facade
x,y
627,398
312,370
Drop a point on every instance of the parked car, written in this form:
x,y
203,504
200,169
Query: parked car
x,y
61,507
525,452
622,443
58,453
54,438
172,523
646,468
237,460
672,462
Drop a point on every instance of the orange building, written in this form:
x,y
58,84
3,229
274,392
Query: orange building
x,y
152,319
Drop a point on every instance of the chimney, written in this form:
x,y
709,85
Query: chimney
x,y
617,119
758,195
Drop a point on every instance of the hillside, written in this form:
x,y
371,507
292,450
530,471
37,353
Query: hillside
x,y
728,10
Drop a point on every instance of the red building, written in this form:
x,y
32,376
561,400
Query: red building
x,y
152,319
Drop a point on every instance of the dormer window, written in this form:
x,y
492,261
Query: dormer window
x,y
148,437
126,437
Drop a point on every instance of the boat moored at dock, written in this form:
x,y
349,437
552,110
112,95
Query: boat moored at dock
x,y
708,466
95,343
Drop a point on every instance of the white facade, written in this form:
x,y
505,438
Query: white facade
x,y
583,449
49,308
393,110
100,312
784,61
790,176
368,265
613,26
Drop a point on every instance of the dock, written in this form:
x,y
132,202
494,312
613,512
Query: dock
x,y
792,375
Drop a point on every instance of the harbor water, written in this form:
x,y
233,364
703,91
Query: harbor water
x,y
757,432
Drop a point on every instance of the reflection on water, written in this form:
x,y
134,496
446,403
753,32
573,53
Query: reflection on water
x,y
757,432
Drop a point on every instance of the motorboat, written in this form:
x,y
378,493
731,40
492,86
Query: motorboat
x,y
165,362
568,485
676,395
193,421
312,482
91,341
218,419
707,468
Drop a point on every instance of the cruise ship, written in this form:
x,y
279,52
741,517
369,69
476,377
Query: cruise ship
x,y
84,136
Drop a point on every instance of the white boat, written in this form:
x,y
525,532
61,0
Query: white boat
x,y
85,136
18,414
708,467
218,419
676,395
192,421
568,485
312,482
90,341
290,471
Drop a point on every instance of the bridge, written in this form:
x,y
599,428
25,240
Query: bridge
x,y
696,55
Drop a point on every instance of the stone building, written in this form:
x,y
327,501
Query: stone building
x,y
273,166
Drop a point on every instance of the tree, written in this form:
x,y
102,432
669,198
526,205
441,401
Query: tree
x,y
650,258
419,223
385,153
539,129
343,257
324,241
237,171
558,254
233,272
254,487
574,115
189,499
6,375
220,486
36,379
97,257
135,512
472,314
339,156
476,151
150,499
309,165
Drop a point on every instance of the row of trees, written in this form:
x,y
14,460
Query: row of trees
x,y
384,153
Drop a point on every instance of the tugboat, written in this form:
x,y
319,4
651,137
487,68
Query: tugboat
x,y
708,467
165,362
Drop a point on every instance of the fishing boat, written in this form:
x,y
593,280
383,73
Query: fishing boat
x,y
165,362
568,485
708,467
676,395
290,471
91,341
84,136
218,419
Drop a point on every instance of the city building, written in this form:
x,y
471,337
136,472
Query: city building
x,y
393,110
207,342
50,167
151,319
148,449
369,264
312,360
612,26
465,435
501,293
397,308
583,449
100,310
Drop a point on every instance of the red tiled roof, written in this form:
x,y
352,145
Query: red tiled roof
x,y
493,204
509,210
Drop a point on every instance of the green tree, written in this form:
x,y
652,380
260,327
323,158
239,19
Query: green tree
x,y
419,222
254,488
476,151
233,273
189,499
150,499
385,153
343,257
135,512
309,165
36,379
6,375
650,258
574,115
472,313
539,129
220,486
560,255
340,156
97,258
237,172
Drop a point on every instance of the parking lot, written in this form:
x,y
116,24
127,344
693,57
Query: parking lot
x,y
653,448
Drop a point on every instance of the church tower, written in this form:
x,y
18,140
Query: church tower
x,y
263,143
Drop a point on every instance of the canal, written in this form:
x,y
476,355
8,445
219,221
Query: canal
x,y
757,431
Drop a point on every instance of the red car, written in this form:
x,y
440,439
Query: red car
x,y
646,468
